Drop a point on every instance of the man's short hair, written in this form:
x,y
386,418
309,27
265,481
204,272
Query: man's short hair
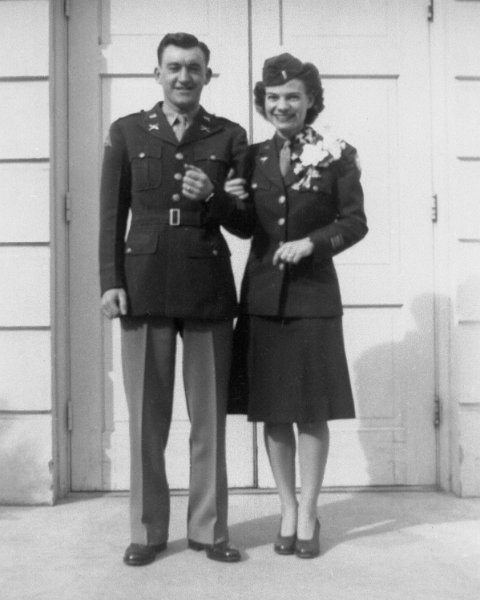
x,y
182,40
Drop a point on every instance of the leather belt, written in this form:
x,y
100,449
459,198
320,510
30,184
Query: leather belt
x,y
175,217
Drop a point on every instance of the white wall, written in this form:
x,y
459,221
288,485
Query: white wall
x,y
25,333
463,155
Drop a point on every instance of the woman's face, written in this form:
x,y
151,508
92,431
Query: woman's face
x,y
286,106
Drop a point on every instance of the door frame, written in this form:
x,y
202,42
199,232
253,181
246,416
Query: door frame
x,y
60,301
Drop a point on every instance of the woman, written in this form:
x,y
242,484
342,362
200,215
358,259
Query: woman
x,y
308,205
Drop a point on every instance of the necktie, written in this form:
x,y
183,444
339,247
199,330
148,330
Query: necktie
x,y
180,125
284,157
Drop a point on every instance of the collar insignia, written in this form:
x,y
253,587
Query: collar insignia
x,y
205,128
152,126
263,158
153,116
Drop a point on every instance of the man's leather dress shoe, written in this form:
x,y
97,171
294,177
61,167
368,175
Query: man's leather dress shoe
x,y
221,551
137,555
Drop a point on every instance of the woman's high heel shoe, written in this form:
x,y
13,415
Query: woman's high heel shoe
x,y
285,544
309,548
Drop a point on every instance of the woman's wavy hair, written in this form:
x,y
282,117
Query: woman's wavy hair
x,y
313,87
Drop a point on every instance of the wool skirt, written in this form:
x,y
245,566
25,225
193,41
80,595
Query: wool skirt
x,y
290,370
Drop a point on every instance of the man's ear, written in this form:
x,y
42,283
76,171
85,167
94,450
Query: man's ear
x,y
208,75
157,73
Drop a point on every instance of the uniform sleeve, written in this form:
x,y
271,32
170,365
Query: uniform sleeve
x,y
114,207
350,226
232,213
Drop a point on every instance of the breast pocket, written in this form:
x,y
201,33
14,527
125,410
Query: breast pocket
x,y
147,169
213,162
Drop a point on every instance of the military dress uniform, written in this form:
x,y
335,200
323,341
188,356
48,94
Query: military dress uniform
x,y
174,264
295,369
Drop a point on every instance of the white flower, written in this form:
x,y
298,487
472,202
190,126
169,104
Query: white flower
x,y
313,154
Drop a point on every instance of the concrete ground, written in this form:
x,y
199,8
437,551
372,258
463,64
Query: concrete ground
x,y
375,545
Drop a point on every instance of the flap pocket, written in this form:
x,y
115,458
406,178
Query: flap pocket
x,y
147,169
141,243
208,249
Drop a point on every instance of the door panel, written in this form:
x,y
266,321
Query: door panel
x,y
373,58
374,62
113,54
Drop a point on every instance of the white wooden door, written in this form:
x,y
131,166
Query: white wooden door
x,y
373,56
112,54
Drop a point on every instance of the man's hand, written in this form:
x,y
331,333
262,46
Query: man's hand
x,y
196,185
114,303
293,252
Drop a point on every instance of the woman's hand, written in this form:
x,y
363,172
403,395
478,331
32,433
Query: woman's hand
x,y
293,252
235,187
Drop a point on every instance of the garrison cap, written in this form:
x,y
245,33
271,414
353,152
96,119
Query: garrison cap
x,y
280,69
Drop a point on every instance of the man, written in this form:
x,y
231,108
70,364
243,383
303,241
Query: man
x,y
166,168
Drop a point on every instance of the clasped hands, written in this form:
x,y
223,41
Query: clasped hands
x,y
288,252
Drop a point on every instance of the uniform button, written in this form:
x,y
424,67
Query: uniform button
x,y
213,157
176,197
315,188
281,200
128,251
281,221
281,266
179,156
142,155
254,186
178,176
215,252
281,243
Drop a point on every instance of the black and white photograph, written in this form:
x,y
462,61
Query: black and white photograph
x,y
240,299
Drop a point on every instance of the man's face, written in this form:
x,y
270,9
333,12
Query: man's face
x,y
182,74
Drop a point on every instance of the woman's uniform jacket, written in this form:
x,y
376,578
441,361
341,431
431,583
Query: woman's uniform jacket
x,y
330,213
174,262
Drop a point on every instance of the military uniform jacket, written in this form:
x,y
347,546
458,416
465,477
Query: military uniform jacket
x,y
330,212
174,261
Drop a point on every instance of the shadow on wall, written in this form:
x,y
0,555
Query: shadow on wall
x,y
391,353
26,460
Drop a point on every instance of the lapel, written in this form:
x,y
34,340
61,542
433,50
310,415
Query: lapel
x,y
155,123
204,125
268,164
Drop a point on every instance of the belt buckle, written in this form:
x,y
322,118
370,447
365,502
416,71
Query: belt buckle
x,y
174,217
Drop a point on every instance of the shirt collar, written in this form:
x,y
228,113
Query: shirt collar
x,y
172,114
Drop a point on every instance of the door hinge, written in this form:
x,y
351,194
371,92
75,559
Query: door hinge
x,y
437,412
431,11
66,8
69,416
434,208
67,207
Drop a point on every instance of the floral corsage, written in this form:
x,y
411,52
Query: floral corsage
x,y
311,153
